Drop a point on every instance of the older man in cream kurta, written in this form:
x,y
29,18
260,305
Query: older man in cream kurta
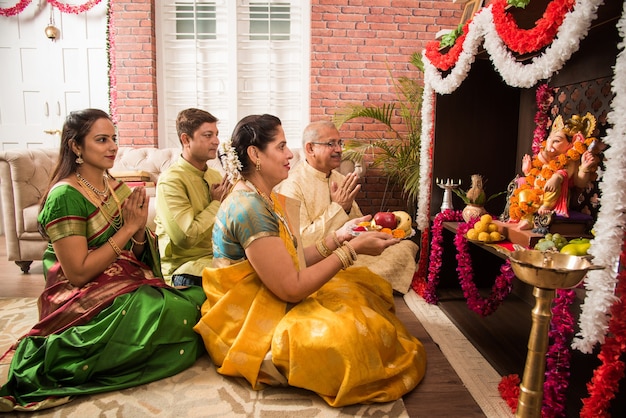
x,y
328,201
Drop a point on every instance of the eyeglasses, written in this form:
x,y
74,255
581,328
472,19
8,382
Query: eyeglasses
x,y
330,145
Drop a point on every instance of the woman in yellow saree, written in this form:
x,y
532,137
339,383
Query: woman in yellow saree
x,y
280,314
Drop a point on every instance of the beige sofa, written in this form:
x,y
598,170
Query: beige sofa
x,y
24,176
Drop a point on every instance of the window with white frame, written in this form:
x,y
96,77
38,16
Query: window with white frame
x,y
233,58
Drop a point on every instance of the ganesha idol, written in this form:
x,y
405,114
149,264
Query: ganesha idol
x,y
567,159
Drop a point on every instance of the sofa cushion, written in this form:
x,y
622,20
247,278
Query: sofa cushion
x,y
30,218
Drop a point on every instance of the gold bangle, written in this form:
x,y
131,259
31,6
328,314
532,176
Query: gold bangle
x,y
336,240
117,250
343,257
351,250
322,248
138,242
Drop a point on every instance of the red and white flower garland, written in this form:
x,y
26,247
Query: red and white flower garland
x,y
605,381
63,7
611,222
575,26
529,40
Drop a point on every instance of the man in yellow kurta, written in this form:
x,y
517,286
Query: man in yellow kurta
x,y
328,201
187,198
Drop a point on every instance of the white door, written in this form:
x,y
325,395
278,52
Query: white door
x,y
42,80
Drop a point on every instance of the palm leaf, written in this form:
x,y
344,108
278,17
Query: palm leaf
x,y
398,156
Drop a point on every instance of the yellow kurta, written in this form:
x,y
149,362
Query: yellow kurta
x,y
343,342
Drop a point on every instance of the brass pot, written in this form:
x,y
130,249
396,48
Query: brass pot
x,y
471,211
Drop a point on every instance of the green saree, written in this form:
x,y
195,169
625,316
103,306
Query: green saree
x,y
125,328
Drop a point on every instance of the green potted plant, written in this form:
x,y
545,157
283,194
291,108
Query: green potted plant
x,y
398,156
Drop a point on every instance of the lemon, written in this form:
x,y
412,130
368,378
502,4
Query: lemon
x,y
484,236
495,236
472,234
480,226
492,228
486,218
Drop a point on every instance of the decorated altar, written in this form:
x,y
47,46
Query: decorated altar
x,y
487,100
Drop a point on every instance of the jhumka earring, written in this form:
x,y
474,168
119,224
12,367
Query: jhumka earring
x,y
79,160
258,164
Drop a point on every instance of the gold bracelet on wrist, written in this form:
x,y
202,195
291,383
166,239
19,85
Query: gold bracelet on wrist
x,y
351,250
336,240
138,242
322,248
117,250
343,257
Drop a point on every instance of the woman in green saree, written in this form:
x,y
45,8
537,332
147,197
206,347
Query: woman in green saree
x,y
107,320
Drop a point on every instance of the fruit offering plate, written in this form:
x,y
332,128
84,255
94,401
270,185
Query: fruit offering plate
x,y
359,229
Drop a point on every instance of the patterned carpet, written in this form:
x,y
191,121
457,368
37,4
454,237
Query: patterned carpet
x,y
197,392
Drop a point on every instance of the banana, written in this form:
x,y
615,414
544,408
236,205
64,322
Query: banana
x,y
404,221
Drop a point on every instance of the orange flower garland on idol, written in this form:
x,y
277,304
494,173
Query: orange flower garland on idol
x,y
527,198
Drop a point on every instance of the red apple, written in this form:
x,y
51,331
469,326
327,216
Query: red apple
x,y
386,220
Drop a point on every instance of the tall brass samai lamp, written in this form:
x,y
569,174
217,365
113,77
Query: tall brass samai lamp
x,y
546,272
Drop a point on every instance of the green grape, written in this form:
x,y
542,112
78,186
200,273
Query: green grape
x,y
549,237
556,237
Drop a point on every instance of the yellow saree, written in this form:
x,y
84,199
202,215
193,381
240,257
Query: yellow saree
x,y
343,342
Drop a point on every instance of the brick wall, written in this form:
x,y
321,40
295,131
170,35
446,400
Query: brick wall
x,y
353,48
135,60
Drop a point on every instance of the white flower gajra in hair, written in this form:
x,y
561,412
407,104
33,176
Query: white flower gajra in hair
x,y
230,162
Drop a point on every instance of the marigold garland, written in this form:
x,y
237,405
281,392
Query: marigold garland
x,y
499,291
482,306
436,250
543,97
448,59
606,378
530,40
65,8
17,9
538,176
68,8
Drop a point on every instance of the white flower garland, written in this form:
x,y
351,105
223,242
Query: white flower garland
x,y
611,221
230,162
609,227
423,212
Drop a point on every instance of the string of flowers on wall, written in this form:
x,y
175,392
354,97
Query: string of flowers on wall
x,y
78,9
63,7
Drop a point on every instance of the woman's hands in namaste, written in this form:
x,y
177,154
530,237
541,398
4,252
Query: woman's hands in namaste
x,y
135,209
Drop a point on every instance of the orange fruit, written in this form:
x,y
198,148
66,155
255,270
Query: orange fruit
x,y
480,226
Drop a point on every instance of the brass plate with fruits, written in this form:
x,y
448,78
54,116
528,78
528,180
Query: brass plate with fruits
x,y
485,231
398,224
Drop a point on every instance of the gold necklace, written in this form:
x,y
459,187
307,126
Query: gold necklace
x,y
105,205
92,187
273,207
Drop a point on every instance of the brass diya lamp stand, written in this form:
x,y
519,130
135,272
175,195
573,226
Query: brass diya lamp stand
x,y
546,272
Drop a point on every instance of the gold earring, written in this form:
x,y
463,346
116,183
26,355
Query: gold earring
x,y
79,159
258,164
